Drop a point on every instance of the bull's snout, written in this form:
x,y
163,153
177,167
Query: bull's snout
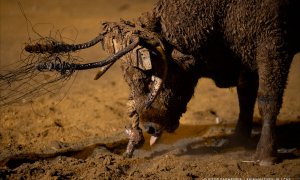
x,y
152,128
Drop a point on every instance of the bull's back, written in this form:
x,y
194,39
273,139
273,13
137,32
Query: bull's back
x,y
190,25
187,24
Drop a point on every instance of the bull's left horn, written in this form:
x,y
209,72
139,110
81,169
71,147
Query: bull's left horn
x,y
58,47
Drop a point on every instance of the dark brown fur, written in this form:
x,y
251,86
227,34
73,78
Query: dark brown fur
x,y
247,44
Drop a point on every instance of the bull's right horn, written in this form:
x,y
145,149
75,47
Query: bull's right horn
x,y
158,81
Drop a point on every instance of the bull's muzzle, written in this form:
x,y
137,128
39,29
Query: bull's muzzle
x,y
154,130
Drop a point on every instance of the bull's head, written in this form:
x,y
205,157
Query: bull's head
x,y
160,78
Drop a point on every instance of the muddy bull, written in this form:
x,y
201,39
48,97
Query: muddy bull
x,y
247,44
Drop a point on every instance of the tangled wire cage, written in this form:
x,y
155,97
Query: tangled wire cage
x,y
22,81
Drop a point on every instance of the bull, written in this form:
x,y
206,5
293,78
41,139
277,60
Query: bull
x,y
243,44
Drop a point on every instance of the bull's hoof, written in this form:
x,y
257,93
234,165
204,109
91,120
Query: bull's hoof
x,y
265,160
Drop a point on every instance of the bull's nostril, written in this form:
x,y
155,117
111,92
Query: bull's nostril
x,y
150,130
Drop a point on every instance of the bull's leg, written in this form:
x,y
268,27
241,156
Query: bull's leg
x,y
273,70
247,93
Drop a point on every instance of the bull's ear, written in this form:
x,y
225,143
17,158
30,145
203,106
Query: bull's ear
x,y
140,55
143,59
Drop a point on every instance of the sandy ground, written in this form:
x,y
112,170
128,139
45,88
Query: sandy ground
x,y
79,133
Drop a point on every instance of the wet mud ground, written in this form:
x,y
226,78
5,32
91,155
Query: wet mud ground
x,y
79,133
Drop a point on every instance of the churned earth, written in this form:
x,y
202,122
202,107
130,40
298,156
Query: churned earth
x,y
79,132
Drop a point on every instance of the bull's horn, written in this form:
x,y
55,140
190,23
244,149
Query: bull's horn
x,y
153,140
158,82
110,59
57,47
102,71
64,66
